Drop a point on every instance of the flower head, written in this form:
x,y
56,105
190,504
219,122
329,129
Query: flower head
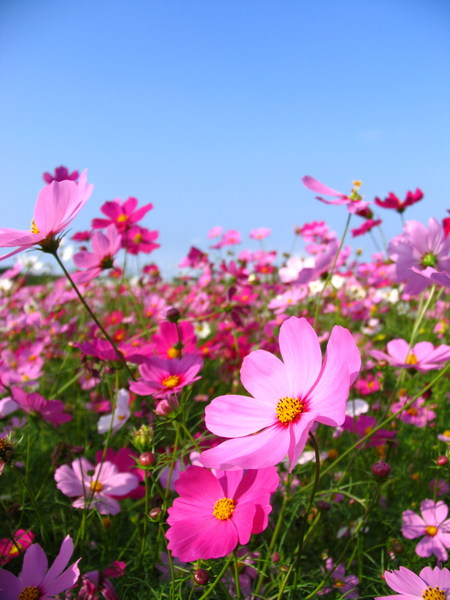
x,y
433,524
430,584
104,248
287,398
164,376
353,201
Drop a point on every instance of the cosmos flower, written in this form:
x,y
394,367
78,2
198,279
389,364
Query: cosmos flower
x,y
430,584
104,248
120,415
353,201
287,398
423,356
433,525
164,376
392,201
51,411
34,582
11,548
57,205
216,511
121,214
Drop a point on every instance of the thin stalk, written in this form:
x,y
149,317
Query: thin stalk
x,y
236,576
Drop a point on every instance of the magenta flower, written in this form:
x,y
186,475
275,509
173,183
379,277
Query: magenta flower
x,y
164,376
417,249
139,239
353,201
61,174
346,585
34,581
216,511
56,206
392,201
368,225
430,584
423,356
121,214
51,411
433,524
95,487
12,548
104,248
287,398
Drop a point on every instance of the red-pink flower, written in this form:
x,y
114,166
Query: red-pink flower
x,y
433,525
35,581
56,206
12,548
432,584
121,214
104,248
353,201
287,398
366,226
392,201
216,511
164,376
51,411
139,239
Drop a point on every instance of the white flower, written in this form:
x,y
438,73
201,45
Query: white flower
x,y
119,417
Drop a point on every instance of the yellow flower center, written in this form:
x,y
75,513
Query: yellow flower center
x,y
34,229
431,530
15,549
96,486
171,381
30,593
122,218
434,594
137,238
173,352
411,359
447,433
288,409
224,508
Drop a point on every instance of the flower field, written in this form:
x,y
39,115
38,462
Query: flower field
x,y
262,426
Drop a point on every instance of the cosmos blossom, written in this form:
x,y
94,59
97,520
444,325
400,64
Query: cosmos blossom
x,y
422,357
287,398
217,510
433,525
10,548
35,581
57,205
104,247
51,411
353,201
164,376
121,214
431,584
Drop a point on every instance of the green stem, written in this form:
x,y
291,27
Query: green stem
x,y
236,576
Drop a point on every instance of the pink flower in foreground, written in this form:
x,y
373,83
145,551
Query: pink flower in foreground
x,y
104,248
121,214
164,376
430,584
422,357
51,411
56,206
433,524
34,581
11,548
216,511
95,487
287,398
353,201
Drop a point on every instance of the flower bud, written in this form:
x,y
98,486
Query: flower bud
x,y
441,461
201,576
173,315
146,459
381,469
142,438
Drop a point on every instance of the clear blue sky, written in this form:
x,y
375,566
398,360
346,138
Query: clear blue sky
x,y
213,109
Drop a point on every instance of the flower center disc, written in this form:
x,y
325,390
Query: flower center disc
x,y
433,594
224,508
431,530
411,359
30,593
96,486
34,229
429,260
288,409
171,381
173,352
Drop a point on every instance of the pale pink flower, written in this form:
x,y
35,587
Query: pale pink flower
x,y
94,486
353,201
104,248
260,233
431,584
120,416
57,205
215,232
433,524
287,398
35,581
422,357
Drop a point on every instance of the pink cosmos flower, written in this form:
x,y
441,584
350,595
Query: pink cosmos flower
x,y
433,524
61,174
260,233
12,548
364,424
34,581
104,248
216,511
139,239
94,486
430,584
287,398
51,411
215,232
423,356
346,585
174,339
96,585
366,226
56,207
392,201
164,376
121,214
353,201
417,249
417,414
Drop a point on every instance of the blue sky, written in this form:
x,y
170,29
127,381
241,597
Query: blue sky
x,y
214,109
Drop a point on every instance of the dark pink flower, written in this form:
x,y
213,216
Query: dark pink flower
x,y
104,248
56,206
138,239
60,174
12,548
346,585
392,201
34,581
433,525
353,201
164,376
121,214
216,511
366,226
51,411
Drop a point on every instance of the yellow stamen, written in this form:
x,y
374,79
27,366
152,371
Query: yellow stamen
x,y
431,530
434,594
171,381
173,352
122,218
224,508
15,549
96,486
411,359
288,409
30,593
137,238
34,228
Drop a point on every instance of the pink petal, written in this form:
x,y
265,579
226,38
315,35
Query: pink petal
x,y
10,585
34,566
242,518
433,513
236,416
405,582
320,188
202,539
264,376
61,560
